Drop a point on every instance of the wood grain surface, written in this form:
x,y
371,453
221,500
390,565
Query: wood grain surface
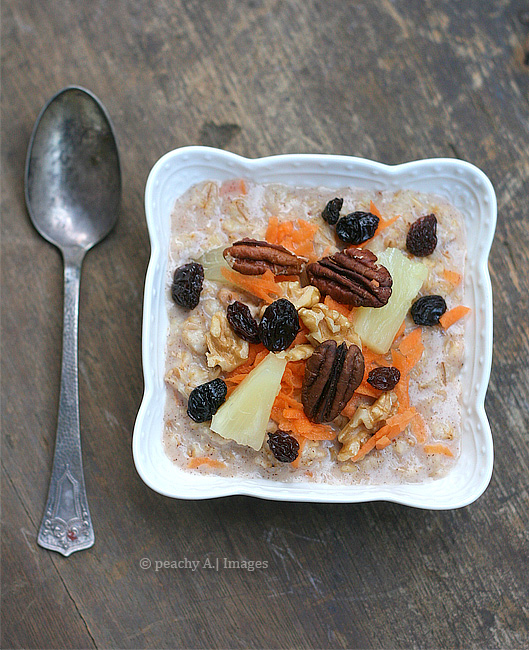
x,y
392,80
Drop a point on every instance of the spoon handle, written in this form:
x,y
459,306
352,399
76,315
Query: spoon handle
x,y
66,526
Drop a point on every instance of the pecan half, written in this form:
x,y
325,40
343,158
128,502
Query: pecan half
x,y
332,374
352,277
253,257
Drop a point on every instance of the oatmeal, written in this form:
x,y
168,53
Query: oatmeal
x,y
315,334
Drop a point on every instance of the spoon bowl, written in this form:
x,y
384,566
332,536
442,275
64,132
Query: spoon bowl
x,y
73,179
73,192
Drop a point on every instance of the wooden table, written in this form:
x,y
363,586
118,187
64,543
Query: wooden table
x,y
389,80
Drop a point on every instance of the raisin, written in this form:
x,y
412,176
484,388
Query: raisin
x,y
279,325
428,310
242,322
206,399
384,378
331,212
187,285
357,227
422,236
284,446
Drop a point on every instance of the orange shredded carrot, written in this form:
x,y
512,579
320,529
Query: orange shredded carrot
x,y
402,390
351,406
367,390
204,460
453,277
296,236
400,362
337,306
418,426
374,210
411,341
438,449
397,422
382,224
453,315
386,223
262,286
365,448
301,337
400,331
372,358
271,231
292,414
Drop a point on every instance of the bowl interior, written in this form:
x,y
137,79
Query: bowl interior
x,y
465,186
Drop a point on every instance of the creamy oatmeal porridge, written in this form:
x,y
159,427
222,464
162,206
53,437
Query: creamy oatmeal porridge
x,y
334,349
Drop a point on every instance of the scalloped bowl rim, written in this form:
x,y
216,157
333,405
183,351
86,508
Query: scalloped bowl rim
x,y
467,187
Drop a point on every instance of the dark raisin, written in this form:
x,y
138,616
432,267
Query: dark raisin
x,y
279,325
357,227
428,310
384,378
206,399
284,446
331,212
187,285
242,322
422,236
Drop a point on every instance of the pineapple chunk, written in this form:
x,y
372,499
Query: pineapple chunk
x,y
213,261
377,327
245,414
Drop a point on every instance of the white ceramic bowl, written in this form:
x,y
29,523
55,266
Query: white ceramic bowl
x,y
463,184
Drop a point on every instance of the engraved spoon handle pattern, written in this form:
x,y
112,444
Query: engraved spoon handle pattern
x,y
66,526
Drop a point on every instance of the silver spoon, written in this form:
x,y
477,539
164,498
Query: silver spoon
x,y
73,191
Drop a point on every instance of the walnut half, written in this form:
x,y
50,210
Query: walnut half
x,y
326,324
225,349
366,418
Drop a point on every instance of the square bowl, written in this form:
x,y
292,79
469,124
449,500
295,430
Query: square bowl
x,y
464,185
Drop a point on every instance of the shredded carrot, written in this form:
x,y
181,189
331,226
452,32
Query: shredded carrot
x,y
452,276
367,390
387,222
383,442
337,306
204,460
365,448
374,210
372,358
271,231
351,406
301,337
411,341
400,362
262,286
400,331
418,426
398,422
296,236
438,449
402,390
382,224
453,315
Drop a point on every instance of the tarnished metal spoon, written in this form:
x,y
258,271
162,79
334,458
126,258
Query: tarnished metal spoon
x,y
73,192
